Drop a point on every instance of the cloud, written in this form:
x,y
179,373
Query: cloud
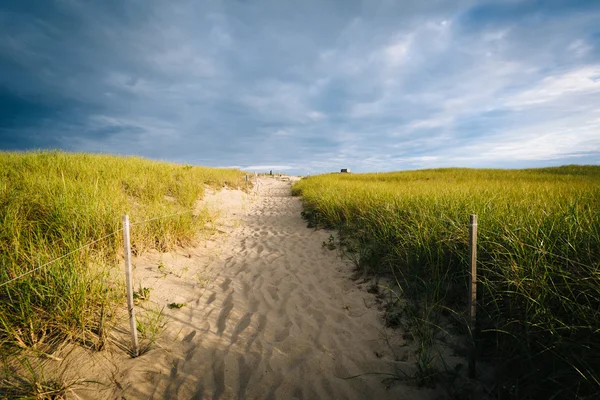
x,y
560,87
312,87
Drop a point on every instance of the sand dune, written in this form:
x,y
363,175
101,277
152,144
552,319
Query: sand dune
x,y
269,314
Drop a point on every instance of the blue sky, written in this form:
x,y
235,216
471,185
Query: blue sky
x,y
305,86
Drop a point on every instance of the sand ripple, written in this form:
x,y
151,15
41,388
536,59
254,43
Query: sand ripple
x,y
270,314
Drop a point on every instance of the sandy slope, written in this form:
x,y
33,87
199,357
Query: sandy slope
x,y
269,313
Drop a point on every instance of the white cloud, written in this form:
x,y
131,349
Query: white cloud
x,y
540,145
580,47
396,52
315,115
434,122
282,132
281,101
553,88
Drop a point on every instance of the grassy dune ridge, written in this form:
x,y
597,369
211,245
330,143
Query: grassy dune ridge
x,y
52,203
539,313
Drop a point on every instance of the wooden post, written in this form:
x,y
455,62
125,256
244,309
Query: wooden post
x,y
256,181
473,293
129,283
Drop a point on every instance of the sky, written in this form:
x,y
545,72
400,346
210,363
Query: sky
x,y
306,86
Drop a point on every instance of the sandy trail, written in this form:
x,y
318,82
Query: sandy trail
x,y
269,314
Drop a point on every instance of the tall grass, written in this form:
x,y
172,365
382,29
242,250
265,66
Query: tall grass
x,y
52,203
539,259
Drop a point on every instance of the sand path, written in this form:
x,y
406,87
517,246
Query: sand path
x,y
269,314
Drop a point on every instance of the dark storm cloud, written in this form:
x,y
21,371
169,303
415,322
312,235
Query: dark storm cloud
x,y
305,85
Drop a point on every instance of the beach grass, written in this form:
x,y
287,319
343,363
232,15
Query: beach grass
x,y
538,260
53,204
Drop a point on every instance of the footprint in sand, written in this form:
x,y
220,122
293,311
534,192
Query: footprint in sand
x,y
225,285
188,338
273,293
225,310
211,298
241,326
281,336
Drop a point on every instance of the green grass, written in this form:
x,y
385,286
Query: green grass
x,y
539,313
150,323
52,203
22,379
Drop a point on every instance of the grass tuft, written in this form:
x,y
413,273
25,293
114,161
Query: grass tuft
x,y
151,323
21,379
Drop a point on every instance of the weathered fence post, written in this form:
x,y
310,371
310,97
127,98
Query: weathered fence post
x,y
473,293
256,181
129,283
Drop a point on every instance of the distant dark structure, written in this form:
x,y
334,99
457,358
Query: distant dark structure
x,y
345,171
